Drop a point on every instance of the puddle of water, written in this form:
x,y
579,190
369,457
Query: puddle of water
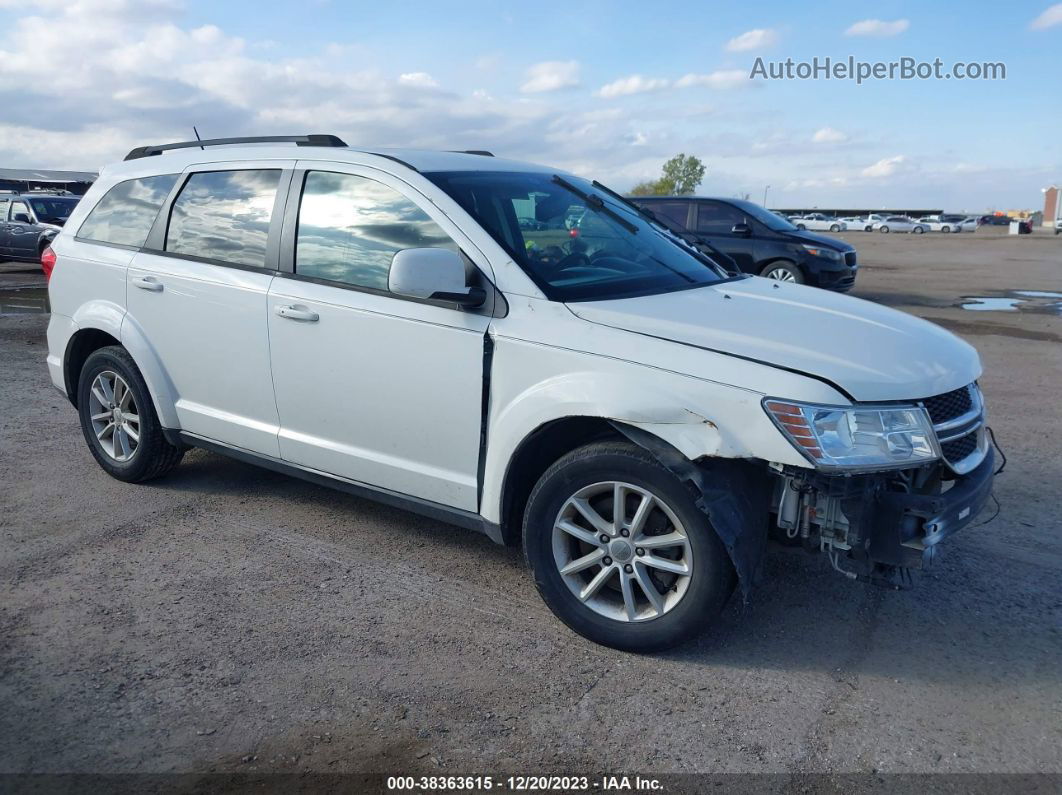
x,y
1037,294
24,301
992,304
1035,301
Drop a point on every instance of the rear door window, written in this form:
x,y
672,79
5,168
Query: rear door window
x,y
224,216
125,214
675,212
714,218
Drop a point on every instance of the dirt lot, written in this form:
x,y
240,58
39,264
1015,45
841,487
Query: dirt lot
x,y
227,618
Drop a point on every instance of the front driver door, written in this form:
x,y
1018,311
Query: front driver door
x,y
373,388
715,220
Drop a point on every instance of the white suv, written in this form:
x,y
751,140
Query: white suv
x,y
382,322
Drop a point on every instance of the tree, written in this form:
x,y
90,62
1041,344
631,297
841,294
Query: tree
x,y
680,176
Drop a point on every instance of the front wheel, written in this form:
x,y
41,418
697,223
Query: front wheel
x,y
884,230
621,553
945,229
801,227
783,272
119,420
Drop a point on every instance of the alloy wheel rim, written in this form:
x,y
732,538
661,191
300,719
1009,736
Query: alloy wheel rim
x,y
622,551
781,275
114,416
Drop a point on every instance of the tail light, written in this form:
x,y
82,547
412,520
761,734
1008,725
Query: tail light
x,y
47,262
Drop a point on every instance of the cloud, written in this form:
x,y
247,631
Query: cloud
x,y
418,79
757,39
721,78
828,135
878,28
635,84
551,76
886,167
1051,16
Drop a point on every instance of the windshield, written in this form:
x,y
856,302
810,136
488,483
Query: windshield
x,y
573,239
49,209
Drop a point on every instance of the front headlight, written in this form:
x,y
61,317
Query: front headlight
x,y
836,437
825,253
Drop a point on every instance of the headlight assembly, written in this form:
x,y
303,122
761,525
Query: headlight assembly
x,y
825,253
857,438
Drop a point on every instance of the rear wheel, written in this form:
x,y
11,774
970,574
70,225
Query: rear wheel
x,y
621,553
118,418
835,228
945,229
918,230
801,227
783,272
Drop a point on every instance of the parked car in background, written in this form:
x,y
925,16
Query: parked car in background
x,y
854,223
820,223
899,223
938,224
29,222
870,220
757,240
613,401
995,220
970,223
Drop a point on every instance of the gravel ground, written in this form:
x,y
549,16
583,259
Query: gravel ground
x,y
230,619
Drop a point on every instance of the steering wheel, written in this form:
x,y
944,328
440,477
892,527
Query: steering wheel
x,y
571,260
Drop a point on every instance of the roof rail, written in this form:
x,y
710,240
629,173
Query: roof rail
x,y
301,140
482,152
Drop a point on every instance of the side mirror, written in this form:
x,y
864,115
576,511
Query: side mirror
x,y
437,274
741,230
21,218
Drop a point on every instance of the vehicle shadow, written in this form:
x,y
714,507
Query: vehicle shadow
x,y
972,618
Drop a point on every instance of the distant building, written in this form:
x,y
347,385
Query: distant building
x,y
1051,199
22,179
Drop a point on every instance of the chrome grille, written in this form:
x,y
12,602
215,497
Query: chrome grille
x,y
958,421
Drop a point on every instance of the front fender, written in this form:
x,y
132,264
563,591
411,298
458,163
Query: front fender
x,y
532,386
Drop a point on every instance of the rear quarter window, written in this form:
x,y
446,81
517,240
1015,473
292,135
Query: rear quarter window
x,y
126,212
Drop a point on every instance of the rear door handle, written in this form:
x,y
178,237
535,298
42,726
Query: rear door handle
x,y
148,283
295,312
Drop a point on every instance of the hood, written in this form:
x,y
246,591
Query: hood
x,y
819,240
870,352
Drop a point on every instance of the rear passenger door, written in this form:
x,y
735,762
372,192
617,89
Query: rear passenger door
x,y
198,293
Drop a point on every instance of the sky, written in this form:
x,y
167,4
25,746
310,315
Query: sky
x,y
607,89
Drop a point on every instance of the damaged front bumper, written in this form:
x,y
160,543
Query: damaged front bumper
x,y
875,526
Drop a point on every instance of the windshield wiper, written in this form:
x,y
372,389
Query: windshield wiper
x,y
595,203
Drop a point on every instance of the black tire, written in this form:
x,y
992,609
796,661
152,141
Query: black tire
x,y
801,227
153,456
791,267
712,579
835,228
946,229
884,230
918,230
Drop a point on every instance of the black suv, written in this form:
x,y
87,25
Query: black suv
x,y
758,241
29,222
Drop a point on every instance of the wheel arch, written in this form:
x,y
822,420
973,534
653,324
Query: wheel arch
x,y
100,332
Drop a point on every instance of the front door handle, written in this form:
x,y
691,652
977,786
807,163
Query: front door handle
x,y
149,283
295,312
